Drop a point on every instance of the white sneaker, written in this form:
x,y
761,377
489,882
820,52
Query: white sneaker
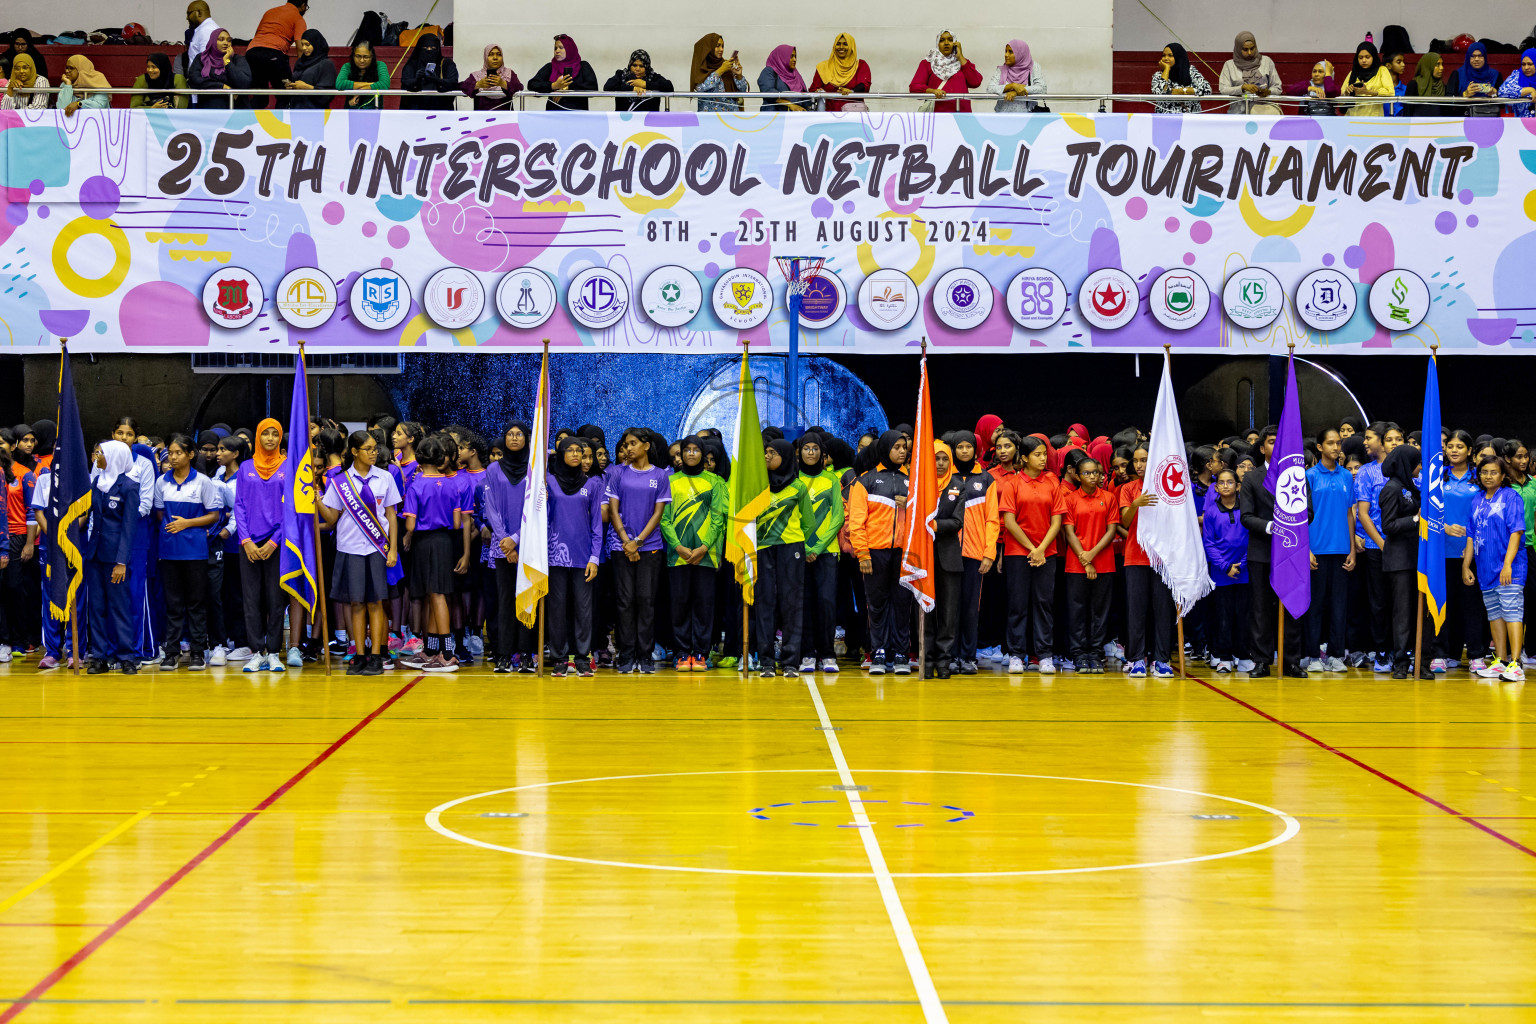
x,y
1047,666
1015,666
1245,665
1513,673
1334,665
275,664
219,657
829,666
1222,667
1493,670
241,654
5,653
295,657
807,664
258,663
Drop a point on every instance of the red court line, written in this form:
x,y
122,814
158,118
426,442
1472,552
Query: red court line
x,y
1469,819
183,743
1436,748
60,972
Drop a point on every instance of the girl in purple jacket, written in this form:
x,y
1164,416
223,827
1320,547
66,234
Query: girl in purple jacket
x,y
1226,553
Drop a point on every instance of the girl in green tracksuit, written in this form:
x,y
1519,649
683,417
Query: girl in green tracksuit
x,y
824,483
693,526
779,596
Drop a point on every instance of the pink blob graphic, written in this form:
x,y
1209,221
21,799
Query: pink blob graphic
x,y
370,229
1171,225
334,213
387,263
893,205
399,237
162,313
1136,208
1200,232
758,257
1189,259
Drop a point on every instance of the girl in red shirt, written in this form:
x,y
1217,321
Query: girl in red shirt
x,y
1148,602
1089,515
946,73
1029,506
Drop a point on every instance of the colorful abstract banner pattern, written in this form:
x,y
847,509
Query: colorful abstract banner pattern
x,y
184,230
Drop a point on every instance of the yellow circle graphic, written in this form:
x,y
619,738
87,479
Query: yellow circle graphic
x,y
91,287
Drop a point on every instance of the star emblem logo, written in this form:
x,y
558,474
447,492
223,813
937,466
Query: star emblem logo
x,y
671,292
1109,301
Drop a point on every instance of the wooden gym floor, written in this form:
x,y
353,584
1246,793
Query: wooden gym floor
x,y
233,848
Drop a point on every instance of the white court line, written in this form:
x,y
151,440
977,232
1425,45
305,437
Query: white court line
x,y
927,995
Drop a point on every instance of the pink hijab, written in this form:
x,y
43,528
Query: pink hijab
x,y
1023,63
778,63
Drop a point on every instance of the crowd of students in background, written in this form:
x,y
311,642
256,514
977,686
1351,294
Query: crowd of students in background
x,y
1038,566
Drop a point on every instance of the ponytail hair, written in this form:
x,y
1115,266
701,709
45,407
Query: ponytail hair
x,y
356,440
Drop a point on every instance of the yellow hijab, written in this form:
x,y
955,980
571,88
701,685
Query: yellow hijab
x,y
23,71
86,75
940,446
840,72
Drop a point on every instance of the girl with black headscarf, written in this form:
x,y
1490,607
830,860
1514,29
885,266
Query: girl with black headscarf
x,y
22,43
876,527
1175,76
1367,77
428,71
313,70
506,485
779,597
816,463
575,547
1400,555
693,525
158,75
637,80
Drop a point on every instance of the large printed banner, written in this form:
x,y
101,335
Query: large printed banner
x,y
184,230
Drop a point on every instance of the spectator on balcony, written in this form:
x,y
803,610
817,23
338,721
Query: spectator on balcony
x,y
199,33
1175,76
1016,77
945,72
24,76
713,72
566,73
1476,79
492,85
81,79
219,69
158,75
313,70
21,42
1428,80
362,74
267,55
1368,77
1521,83
844,74
1397,67
638,81
1317,89
1250,75
428,71
779,74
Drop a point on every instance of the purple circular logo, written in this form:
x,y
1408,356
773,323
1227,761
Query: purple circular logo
x,y
820,301
962,295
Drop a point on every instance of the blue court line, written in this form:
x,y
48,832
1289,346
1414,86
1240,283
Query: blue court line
x,y
772,1002
812,824
821,801
790,804
915,824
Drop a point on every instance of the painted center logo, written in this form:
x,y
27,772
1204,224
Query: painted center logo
x,y
380,300
1172,480
1326,299
1252,299
525,298
454,298
306,297
1107,299
671,296
1180,299
742,298
232,297
598,298
888,300
963,299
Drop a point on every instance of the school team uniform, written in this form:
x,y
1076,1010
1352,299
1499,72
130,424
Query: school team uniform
x,y
575,542
978,541
876,529
1226,544
638,492
694,518
113,526
22,578
184,556
1368,485
1333,495
1091,517
259,516
433,502
819,632
360,575
1032,501
779,592
1466,621
1147,597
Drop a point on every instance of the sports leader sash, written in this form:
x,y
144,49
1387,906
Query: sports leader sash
x,y
363,507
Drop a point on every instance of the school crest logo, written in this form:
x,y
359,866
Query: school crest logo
x,y
1180,299
232,297
1399,300
743,290
1326,299
1108,299
598,298
962,299
1037,299
671,296
743,298
525,298
1252,298
380,300
1172,480
888,300
824,300
454,298
306,297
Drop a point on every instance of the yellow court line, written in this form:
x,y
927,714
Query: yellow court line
x,y
27,890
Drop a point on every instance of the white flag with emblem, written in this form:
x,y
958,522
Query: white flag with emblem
x,y
533,541
1169,530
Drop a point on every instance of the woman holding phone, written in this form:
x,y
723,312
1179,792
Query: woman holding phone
x,y
945,72
566,72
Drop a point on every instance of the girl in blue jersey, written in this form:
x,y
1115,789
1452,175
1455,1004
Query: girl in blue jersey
x,y
1495,561
187,503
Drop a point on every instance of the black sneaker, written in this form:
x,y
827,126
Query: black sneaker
x,y
558,668
355,666
790,672
647,667
128,668
338,648
97,667
170,659
528,665
373,665
197,664
584,667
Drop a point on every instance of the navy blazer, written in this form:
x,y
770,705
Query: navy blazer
x,y
114,518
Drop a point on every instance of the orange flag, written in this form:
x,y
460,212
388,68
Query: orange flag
x,y
917,566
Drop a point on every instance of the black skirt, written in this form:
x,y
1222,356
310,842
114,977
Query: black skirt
x,y
432,558
359,579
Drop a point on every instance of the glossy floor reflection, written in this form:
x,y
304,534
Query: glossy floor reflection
x,y
225,847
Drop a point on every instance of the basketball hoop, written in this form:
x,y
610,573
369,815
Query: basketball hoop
x,y
798,272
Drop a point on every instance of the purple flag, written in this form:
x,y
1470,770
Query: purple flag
x,y
1290,567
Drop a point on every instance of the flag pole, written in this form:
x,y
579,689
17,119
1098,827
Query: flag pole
x,y
1183,668
746,644
539,611
320,612
1418,630
922,616
540,614
74,621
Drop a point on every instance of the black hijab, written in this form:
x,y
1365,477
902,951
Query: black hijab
x,y
780,478
429,50
321,54
1179,73
167,80
772,434
1400,465
883,448
955,438
570,478
809,437
46,433
38,60
1359,75
840,450
714,446
689,441
515,464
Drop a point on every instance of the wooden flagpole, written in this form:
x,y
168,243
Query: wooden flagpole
x,y
540,457
74,623
1280,649
746,645
1183,670
1418,631
320,611
922,616
540,614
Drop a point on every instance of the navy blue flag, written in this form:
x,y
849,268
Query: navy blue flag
x,y
1432,508
69,502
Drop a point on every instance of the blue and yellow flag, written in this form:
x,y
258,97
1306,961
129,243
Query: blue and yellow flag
x,y
69,502
300,562
1432,504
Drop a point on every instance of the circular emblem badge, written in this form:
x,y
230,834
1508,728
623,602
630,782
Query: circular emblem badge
x,y
1179,299
963,299
888,300
525,298
1107,299
742,298
1172,480
824,300
1291,490
671,296
1253,299
306,297
232,297
1399,300
598,298
1326,299
454,298
1036,299
380,299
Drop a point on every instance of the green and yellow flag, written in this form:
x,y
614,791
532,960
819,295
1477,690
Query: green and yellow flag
x,y
749,486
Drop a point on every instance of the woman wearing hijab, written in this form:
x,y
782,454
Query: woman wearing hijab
x,y
313,70
638,80
948,524
1175,76
779,595
946,72
259,489
23,44
780,75
987,428
220,68
1251,76
693,525
575,546
1368,77
1521,84
1016,77
506,485
113,525
814,461
877,504
24,76
844,74
712,71
1476,79
1400,555
1318,89
428,71
566,72
158,75
491,85
77,90
362,74
1428,80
